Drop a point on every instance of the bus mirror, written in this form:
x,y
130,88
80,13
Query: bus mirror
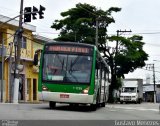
x,y
35,61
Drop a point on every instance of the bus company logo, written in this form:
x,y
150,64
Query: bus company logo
x,y
69,49
77,88
9,123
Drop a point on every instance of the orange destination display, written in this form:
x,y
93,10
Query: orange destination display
x,y
71,49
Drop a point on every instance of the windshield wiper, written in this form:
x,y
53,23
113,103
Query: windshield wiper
x,y
73,63
73,77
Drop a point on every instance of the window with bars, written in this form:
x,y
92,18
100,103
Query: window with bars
x,y
0,70
24,41
1,37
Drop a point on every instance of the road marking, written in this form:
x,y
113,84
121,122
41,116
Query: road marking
x,y
134,108
112,110
129,110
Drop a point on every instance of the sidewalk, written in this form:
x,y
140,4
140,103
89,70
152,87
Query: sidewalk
x,y
23,102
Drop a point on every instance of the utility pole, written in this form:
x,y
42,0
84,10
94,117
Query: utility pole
x,y
17,60
151,66
118,31
10,69
96,41
154,82
2,53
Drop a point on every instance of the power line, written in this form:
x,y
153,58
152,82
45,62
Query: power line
x,y
152,33
149,33
152,44
12,35
149,70
47,32
88,11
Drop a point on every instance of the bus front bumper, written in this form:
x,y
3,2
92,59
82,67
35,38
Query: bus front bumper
x,y
66,97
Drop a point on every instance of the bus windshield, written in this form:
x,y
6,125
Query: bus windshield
x,y
67,68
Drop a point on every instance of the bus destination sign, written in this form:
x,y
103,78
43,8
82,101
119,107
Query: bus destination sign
x,y
73,49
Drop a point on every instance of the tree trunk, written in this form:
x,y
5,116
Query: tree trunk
x,y
111,88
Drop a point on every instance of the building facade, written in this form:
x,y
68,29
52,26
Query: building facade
x,y
28,85
148,92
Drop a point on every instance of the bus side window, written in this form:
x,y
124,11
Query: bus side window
x,y
97,65
97,69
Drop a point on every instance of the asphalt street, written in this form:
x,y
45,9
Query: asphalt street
x,y
144,111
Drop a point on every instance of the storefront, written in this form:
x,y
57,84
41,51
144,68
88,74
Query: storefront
x,y
148,92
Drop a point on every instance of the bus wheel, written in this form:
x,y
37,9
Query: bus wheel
x,y
93,107
71,105
52,105
103,104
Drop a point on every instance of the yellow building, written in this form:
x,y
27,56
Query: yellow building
x,y
28,87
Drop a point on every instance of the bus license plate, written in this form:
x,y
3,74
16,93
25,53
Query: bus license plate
x,y
64,96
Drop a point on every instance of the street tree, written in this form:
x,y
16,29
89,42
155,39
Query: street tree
x,y
128,57
79,25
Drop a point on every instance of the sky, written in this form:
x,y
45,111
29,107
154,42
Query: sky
x,y
142,17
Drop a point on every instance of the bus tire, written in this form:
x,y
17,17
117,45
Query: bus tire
x,y
103,104
73,105
52,104
93,107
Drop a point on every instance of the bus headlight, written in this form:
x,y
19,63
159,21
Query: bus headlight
x,y
85,91
44,88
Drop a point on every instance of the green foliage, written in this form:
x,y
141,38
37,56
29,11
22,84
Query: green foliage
x,y
79,24
130,55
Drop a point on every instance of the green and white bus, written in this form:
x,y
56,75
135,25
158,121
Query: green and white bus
x,y
73,73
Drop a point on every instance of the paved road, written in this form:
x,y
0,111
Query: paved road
x,y
64,112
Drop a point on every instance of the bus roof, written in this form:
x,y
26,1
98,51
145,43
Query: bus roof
x,y
69,43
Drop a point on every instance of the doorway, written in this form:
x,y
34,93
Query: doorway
x,y
21,87
34,89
